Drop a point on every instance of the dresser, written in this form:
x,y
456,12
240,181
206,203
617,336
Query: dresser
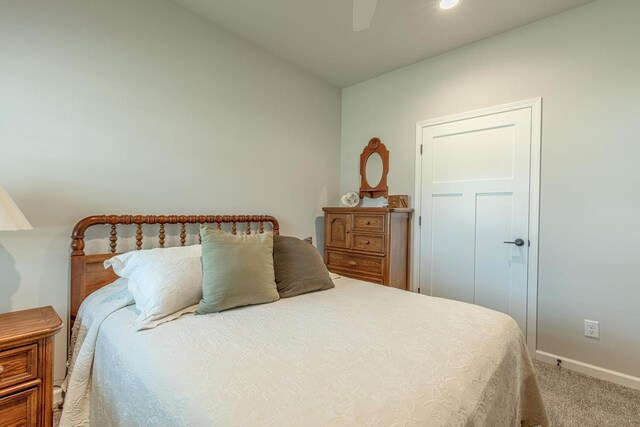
x,y
371,244
26,366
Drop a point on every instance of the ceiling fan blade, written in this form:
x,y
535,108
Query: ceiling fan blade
x,y
363,11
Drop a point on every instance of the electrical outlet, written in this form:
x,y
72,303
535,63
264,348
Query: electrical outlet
x,y
591,328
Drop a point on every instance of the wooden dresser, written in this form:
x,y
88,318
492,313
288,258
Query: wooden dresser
x,y
371,244
26,366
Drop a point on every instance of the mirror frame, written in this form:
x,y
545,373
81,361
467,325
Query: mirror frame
x,y
380,190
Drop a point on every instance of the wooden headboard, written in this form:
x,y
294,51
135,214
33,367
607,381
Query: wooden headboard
x,y
87,271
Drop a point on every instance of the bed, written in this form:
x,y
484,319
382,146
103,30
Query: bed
x,y
357,354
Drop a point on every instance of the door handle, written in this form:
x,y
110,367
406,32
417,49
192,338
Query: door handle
x,y
517,242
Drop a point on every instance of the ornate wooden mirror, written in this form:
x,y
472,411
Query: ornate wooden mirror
x,y
374,166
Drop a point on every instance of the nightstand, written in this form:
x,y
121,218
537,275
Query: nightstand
x,y
26,366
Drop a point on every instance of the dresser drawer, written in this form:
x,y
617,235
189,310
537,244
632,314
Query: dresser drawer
x,y
19,409
368,222
18,365
368,243
357,263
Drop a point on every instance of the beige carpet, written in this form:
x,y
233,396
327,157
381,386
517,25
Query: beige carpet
x,y
576,400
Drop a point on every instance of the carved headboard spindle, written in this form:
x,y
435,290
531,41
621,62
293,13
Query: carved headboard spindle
x,y
161,236
138,236
113,239
183,234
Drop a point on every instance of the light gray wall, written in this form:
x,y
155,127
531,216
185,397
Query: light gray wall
x,y
585,63
144,107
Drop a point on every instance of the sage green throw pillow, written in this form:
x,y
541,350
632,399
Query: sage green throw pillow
x,y
299,267
237,270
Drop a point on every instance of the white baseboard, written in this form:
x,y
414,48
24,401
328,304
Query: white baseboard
x,y
592,370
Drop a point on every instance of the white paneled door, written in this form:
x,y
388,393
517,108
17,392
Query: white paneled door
x,y
474,209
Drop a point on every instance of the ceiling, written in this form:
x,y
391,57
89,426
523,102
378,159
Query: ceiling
x,y
317,35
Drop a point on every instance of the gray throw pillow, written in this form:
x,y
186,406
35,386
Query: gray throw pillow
x,y
299,267
237,270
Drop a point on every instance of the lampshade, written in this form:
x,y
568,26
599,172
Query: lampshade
x,y
11,218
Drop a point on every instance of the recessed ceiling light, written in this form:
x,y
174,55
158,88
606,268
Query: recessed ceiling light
x,y
448,4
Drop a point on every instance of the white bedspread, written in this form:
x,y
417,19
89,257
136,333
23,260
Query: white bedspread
x,y
77,385
359,354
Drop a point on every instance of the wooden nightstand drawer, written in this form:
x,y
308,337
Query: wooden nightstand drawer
x,y
368,243
26,362
18,365
368,222
20,409
355,263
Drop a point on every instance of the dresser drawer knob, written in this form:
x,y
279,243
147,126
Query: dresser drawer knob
x,y
354,263
1,369
366,242
368,222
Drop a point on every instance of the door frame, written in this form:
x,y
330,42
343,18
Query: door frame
x,y
535,105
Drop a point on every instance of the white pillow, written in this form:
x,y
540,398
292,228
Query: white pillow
x,y
165,282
